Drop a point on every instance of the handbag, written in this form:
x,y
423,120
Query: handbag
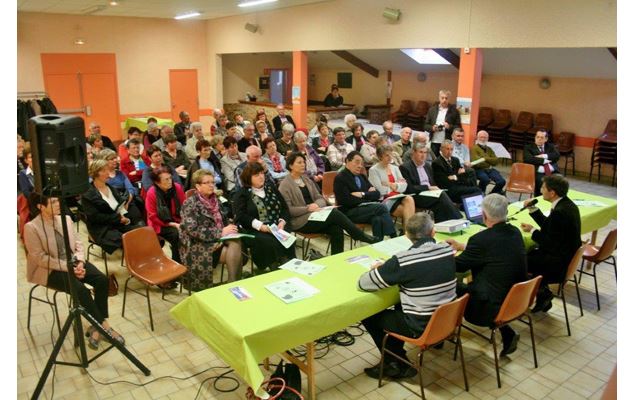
x,y
113,285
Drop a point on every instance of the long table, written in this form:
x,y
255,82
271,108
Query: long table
x,y
243,333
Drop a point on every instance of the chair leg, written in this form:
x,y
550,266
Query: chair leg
x,y
57,312
28,315
381,360
595,282
566,163
149,307
493,341
423,394
103,255
564,305
614,266
533,341
577,291
573,159
125,292
460,347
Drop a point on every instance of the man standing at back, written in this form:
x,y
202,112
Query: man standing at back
x,y
441,120
426,277
496,257
557,236
182,129
281,119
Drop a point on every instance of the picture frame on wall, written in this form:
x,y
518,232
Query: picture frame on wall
x,y
263,83
345,80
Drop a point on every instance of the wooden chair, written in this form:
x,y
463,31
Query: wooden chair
x,y
416,119
147,262
517,132
522,179
570,277
485,117
544,122
400,115
444,324
566,147
596,256
498,129
518,300
328,180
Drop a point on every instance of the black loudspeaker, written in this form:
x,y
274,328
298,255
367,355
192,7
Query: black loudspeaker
x,y
58,147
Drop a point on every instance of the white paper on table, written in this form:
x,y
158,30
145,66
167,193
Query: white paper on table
x,y
476,162
291,290
364,260
322,214
518,204
393,246
283,236
589,203
302,267
499,150
432,193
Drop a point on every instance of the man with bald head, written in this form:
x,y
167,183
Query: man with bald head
x,y
254,154
485,171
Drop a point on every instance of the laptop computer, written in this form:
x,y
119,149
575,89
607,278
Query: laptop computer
x,y
473,209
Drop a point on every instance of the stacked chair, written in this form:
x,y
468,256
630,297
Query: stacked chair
x,y
485,117
518,132
565,143
498,129
605,150
416,119
400,115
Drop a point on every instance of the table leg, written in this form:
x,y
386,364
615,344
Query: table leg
x,y
266,363
594,236
306,366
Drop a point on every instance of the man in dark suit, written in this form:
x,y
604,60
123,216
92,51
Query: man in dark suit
x,y
557,236
543,156
419,177
449,175
441,120
352,189
280,120
496,257
182,128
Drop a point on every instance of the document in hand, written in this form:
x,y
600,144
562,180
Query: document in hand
x,y
432,193
499,150
236,236
291,290
397,196
283,236
322,214
476,162
302,267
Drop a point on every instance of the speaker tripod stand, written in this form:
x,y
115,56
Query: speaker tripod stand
x,y
74,320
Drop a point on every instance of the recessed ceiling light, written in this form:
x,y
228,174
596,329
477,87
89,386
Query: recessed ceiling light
x,y
79,41
114,3
425,56
191,14
251,3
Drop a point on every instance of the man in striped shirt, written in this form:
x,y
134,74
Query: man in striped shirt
x,y
426,276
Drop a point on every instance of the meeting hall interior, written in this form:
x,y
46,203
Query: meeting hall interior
x,y
318,199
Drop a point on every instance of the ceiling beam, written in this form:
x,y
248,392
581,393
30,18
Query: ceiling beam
x,y
613,50
449,56
357,62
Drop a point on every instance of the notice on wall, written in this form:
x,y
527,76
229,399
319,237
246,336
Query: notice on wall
x,y
295,95
464,107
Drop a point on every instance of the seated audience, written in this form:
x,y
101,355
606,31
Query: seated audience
x,y
165,132
46,264
116,178
95,128
557,236
248,138
181,129
175,158
96,143
543,156
357,137
133,133
230,161
285,143
391,138
218,149
369,149
387,179
426,277
152,134
26,179
134,163
303,197
240,122
190,146
262,131
420,137
496,257
459,149
163,208
352,188
321,141
253,154
221,125
205,160
333,99
339,149
21,147
349,120
281,119
448,174
200,230
156,161
315,131
314,165
485,171
257,205
276,164
108,214
233,131
403,144
262,116
419,178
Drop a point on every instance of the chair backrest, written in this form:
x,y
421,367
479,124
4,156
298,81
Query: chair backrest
x,y
522,174
141,247
443,322
422,107
611,127
575,262
518,300
503,116
328,179
485,115
525,119
405,107
189,193
566,141
544,121
609,246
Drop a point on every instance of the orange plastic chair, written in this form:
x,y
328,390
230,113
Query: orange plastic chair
x,y
445,324
522,179
147,262
570,277
518,300
599,255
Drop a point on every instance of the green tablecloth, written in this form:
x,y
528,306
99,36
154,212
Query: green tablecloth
x,y
141,123
243,333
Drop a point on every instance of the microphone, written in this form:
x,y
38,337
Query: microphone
x,y
531,203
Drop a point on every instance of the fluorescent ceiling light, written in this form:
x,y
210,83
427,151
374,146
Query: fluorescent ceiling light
x,y
425,56
251,3
188,15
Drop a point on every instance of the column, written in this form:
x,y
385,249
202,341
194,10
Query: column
x,y
299,89
470,73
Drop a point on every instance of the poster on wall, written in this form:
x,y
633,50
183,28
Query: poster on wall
x,y
295,95
464,107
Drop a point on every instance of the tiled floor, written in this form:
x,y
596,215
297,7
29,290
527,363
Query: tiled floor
x,y
575,367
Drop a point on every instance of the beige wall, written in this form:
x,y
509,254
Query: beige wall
x,y
145,50
241,72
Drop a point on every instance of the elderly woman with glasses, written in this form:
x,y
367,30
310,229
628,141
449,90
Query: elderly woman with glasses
x,y
314,164
258,206
202,227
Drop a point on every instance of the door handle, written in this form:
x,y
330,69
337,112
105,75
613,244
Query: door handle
x,y
89,110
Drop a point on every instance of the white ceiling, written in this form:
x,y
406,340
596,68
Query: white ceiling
x,y
152,8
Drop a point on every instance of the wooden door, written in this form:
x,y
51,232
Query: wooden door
x,y
184,93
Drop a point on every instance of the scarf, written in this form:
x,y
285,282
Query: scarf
x,y
275,160
211,205
164,203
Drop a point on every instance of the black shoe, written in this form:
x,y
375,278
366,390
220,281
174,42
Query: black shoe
x,y
438,346
510,347
370,239
547,306
406,372
543,303
391,370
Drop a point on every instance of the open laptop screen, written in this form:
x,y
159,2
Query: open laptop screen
x,y
472,206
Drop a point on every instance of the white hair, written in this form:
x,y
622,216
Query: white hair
x,y
495,206
288,128
196,125
299,135
349,117
416,135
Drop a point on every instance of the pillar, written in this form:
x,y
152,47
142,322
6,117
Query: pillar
x,y
299,89
470,73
